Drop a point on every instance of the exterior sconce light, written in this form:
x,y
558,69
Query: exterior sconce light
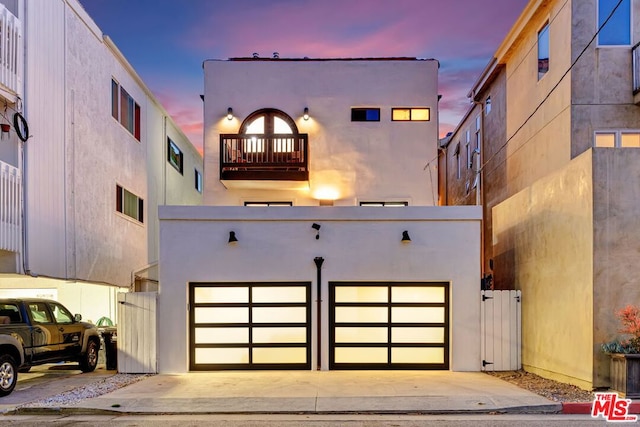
x,y
317,228
405,237
229,113
305,115
232,237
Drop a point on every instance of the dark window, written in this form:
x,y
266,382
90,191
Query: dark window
x,y
268,203
174,155
365,114
125,109
388,204
129,204
617,31
198,176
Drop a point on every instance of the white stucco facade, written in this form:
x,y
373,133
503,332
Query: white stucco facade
x,y
78,154
357,243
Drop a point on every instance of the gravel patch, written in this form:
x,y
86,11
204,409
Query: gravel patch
x,y
88,391
552,390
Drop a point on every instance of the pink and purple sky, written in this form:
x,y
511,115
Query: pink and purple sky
x,y
166,41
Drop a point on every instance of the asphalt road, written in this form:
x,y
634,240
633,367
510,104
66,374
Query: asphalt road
x,y
309,420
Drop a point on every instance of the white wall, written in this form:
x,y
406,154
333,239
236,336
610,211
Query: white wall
x,y
79,153
363,161
357,243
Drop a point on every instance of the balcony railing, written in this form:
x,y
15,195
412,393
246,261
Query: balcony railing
x,y
635,58
11,63
10,203
276,157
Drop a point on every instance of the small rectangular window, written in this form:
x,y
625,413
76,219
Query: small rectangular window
x,y
198,177
129,204
125,109
617,30
365,114
410,114
456,153
268,204
487,105
386,204
620,139
543,51
174,155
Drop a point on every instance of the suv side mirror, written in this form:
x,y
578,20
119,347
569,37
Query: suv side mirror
x,y
77,317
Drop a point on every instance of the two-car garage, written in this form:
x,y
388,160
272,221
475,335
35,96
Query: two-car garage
x,y
372,325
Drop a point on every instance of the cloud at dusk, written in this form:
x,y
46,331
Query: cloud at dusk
x,y
167,40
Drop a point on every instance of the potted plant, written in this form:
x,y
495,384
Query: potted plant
x,y
625,354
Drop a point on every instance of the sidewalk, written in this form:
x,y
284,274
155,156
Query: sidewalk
x,y
317,392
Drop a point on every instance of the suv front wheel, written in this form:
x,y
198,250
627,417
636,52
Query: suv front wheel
x,y
89,361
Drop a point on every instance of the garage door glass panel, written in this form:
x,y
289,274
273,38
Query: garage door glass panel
x,y
415,294
417,314
416,355
279,335
221,295
222,335
373,335
221,315
279,315
361,314
222,355
362,294
279,355
273,294
417,335
361,355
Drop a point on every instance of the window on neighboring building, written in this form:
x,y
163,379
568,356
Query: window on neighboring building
x,y
487,105
617,30
129,204
174,155
623,139
268,203
543,51
410,114
478,134
365,114
456,153
125,109
198,177
386,204
469,158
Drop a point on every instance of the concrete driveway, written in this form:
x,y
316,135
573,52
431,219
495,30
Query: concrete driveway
x,y
47,380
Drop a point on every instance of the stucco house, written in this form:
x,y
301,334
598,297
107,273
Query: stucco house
x,y
320,244
79,195
556,166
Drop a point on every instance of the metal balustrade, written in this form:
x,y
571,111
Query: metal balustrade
x,y
11,55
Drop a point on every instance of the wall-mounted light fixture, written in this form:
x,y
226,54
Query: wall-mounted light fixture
x,y
405,237
229,113
317,228
305,115
232,237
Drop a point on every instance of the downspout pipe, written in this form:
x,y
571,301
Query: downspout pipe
x,y
319,260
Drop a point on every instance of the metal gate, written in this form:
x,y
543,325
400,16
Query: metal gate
x,y
388,325
501,329
250,326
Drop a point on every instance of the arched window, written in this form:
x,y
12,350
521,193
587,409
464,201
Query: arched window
x,y
271,124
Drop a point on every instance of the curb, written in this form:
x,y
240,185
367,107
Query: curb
x,y
581,408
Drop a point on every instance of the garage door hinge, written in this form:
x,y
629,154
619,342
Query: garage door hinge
x,y
484,298
485,363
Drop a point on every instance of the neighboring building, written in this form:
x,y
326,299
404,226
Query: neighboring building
x,y
80,195
558,171
321,245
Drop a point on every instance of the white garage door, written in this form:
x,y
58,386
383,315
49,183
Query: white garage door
x,y
250,326
388,325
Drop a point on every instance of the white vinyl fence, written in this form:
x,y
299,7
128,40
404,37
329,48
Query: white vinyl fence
x,y
501,329
137,326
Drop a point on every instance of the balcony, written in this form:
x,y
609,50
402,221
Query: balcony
x,y
258,161
11,54
635,59
10,202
